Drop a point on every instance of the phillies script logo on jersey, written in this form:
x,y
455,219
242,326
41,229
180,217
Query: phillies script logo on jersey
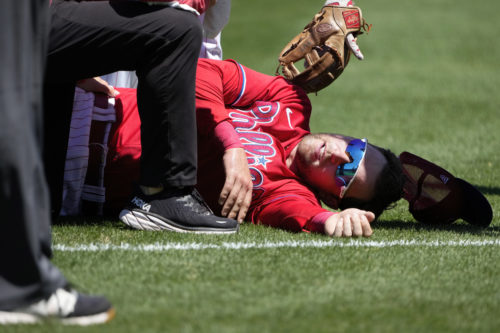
x,y
258,145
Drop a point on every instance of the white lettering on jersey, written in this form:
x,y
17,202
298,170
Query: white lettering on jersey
x,y
258,145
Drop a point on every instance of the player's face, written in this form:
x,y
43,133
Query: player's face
x,y
319,155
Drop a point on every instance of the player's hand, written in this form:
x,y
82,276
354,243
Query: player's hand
x,y
351,40
97,85
350,222
236,195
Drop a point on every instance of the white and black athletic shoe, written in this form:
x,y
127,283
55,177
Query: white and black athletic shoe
x,y
179,210
65,305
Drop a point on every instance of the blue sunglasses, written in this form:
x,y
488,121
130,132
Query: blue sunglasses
x,y
356,149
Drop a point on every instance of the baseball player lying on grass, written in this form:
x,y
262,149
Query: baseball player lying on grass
x,y
258,160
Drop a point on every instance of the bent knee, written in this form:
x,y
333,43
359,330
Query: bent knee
x,y
180,24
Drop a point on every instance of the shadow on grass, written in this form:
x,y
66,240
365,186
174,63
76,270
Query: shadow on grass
x,y
89,221
488,190
457,227
460,228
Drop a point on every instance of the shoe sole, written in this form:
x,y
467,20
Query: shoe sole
x,y
13,318
141,220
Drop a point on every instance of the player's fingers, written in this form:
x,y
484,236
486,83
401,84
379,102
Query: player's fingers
x,y
98,85
232,198
353,45
106,88
226,189
356,224
246,204
365,225
235,208
347,228
339,227
330,224
357,227
370,216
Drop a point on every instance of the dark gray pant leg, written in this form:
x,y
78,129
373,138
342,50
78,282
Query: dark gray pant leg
x,y
26,273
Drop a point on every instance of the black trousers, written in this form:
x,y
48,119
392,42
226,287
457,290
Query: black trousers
x,y
87,39
162,44
26,273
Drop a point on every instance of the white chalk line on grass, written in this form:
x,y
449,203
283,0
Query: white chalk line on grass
x,y
163,247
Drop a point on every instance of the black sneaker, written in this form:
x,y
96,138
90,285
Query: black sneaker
x,y
65,305
179,210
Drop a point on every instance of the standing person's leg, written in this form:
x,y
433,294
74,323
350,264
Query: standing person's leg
x,y
162,44
30,285
25,271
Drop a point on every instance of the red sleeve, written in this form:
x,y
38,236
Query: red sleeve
x,y
294,214
228,84
317,223
227,136
210,106
290,206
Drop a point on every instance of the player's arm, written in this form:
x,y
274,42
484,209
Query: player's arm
x,y
97,85
290,213
210,107
300,212
291,206
213,120
236,194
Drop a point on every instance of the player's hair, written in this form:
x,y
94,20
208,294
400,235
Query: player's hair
x,y
388,187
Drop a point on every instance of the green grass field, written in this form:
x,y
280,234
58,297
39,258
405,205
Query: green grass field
x,y
429,85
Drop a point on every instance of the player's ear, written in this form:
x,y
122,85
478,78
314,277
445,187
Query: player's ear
x,y
329,199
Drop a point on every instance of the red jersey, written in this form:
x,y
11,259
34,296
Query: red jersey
x,y
270,117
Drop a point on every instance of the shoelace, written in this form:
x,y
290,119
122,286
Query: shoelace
x,y
196,195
